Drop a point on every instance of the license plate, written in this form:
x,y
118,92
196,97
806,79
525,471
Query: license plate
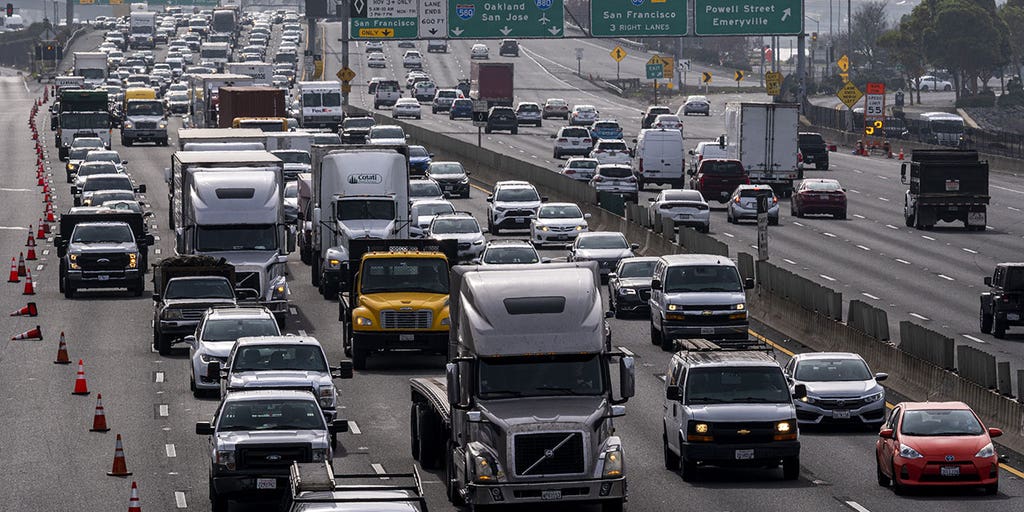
x,y
520,220
406,337
707,330
575,143
1013,316
565,237
683,216
744,454
553,495
102,277
841,415
823,196
271,483
976,218
949,471
448,188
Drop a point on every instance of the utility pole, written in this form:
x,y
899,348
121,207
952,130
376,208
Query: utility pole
x,y
69,11
346,13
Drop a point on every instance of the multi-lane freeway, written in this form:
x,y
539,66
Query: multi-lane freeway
x,y
54,463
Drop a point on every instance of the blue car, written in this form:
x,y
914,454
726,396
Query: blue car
x,y
606,130
419,159
462,108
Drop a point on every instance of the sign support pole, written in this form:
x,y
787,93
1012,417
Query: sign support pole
x,y
617,71
655,91
346,14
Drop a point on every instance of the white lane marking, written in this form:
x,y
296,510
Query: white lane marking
x,y
661,377
830,235
1007,189
858,171
905,262
39,267
883,199
882,177
829,278
972,251
157,251
353,428
919,317
890,226
626,351
13,228
753,247
169,449
947,278
379,469
159,377
179,499
859,216
866,248
1012,208
795,223
163,411
46,252
5,189
791,262
926,237
972,338
855,191
293,311
730,235
868,295
156,238
856,506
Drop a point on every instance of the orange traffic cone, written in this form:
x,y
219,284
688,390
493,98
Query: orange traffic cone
x,y
31,241
133,500
30,289
81,386
49,213
41,232
901,153
62,351
99,420
21,265
29,310
31,255
31,334
14,272
120,466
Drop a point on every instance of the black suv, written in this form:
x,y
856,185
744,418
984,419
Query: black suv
x,y
814,149
502,118
647,117
509,47
1003,304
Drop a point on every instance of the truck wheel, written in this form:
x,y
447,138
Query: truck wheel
x,y
217,503
161,343
138,288
314,274
688,470
306,255
428,426
451,489
999,328
69,290
671,459
328,289
910,220
126,142
667,343
655,335
359,356
791,468
986,322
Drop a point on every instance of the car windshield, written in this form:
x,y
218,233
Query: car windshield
x,y
589,164
291,190
556,103
559,211
236,238
832,370
125,206
528,108
254,358
755,192
1015,279
632,269
180,96
821,186
107,183
421,209
702,278
230,329
390,132
90,168
293,157
739,384
517,195
418,152
424,189
941,422
365,209
78,153
613,241
446,168
102,156
198,289
499,255
86,143
697,98
682,195
604,125
426,275
811,139
542,375
275,414
615,172
107,234
453,226
721,167
463,102
358,122
612,146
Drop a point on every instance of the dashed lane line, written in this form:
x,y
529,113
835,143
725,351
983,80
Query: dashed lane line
x,y
919,317
868,295
972,338
179,499
947,278
827,278
972,251
856,506
353,428
905,262
170,451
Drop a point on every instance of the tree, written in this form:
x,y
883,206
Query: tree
x,y
1013,17
967,54
869,23
901,44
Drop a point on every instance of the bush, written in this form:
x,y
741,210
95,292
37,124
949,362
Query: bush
x,y
1014,99
982,99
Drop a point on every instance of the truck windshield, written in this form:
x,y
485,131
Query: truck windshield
x,y
279,358
213,54
74,121
230,329
1015,279
108,234
366,210
198,289
89,74
236,238
404,275
145,108
702,278
740,384
276,414
548,375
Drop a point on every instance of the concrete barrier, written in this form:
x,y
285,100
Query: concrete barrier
x,y
927,344
745,262
976,366
699,243
799,289
868,319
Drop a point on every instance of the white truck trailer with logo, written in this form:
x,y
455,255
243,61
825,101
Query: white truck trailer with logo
x,y
321,105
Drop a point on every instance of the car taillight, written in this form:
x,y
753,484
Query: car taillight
x,y
568,171
598,178
748,180
775,200
699,158
588,141
799,157
641,166
736,200
701,182
563,140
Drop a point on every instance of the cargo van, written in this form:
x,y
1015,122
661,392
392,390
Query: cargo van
x,y
658,157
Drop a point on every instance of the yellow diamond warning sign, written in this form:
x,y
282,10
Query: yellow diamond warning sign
x,y
849,94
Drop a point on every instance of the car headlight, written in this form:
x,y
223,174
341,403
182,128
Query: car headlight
x,y
74,261
280,292
581,228
543,228
478,242
627,291
874,397
464,180
740,307
172,314
673,307
326,396
499,208
129,125
985,452
162,124
333,264
133,260
485,468
909,453
785,430
363,321
70,167
699,432
783,427
613,462
808,399
206,358
226,458
319,454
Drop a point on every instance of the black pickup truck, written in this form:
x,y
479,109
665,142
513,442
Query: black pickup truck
x,y
184,287
1003,304
814,149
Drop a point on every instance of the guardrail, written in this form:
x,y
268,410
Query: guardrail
x,y
936,348
804,292
868,319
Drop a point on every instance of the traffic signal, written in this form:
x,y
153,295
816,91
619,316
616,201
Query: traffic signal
x,y
10,10
814,36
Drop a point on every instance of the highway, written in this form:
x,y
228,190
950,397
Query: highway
x,y
56,464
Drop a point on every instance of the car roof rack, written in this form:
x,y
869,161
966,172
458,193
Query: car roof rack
x,y
689,345
319,477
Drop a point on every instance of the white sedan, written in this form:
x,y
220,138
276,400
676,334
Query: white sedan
x,y
933,83
406,107
376,60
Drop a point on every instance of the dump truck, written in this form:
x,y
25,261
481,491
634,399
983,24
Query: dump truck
x,y
946,185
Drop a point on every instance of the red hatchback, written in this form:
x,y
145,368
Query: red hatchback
x,y
819,196
936,444
716,178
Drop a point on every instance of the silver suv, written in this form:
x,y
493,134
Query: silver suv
x,y
216,334
512,205
697,296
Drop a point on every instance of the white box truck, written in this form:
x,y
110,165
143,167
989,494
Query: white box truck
x,y
92,66
261,73
763,136
321,105
142,30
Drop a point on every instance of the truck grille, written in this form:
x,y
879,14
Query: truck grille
x,y
729,433
273,456
248,280
103,261
536,454
840,403
645,295
192,314
419,319
145,125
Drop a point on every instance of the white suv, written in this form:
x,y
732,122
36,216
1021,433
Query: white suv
x,y
611,152
512,206
462,228
412,60
572,140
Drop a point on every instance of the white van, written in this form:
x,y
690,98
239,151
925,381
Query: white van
x,y
659,157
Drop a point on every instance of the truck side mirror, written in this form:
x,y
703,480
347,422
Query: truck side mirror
x,y
799,391
988,281
141,189
213,370
656,284
490,198
903,173
156,297
452,378
338,426
627,377
344,370
672,393
204,428
748,283
61,244
290,240
148,240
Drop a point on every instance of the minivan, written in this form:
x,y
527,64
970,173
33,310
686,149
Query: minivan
x,y
658,158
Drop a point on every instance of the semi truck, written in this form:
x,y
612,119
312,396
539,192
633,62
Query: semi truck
x,y
142,30
321,105
946,185
217,54
82,113
359,192
144,117
492,82
188,136
229,204
252,101
203,91
261,73
525,413
763,136
92,66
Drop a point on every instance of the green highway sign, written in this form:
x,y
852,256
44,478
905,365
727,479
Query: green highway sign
x,y
384,19
748,17
637,18
655,71
495,19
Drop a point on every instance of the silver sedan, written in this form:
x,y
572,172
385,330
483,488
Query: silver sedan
x,y
840,389
695,105
683,208
742,204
